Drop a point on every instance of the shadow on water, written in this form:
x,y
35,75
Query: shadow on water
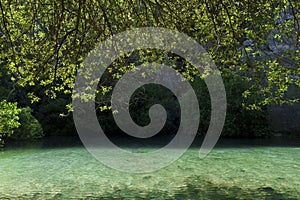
x,y
196,188
193,188
46,143
155,142
254,142
191,192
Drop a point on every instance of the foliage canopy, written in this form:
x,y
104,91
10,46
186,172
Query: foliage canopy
x,y
43,42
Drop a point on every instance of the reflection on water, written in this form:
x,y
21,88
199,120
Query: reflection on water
x,y
156,142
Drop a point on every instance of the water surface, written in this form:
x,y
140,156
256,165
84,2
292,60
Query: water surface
x,y
61,168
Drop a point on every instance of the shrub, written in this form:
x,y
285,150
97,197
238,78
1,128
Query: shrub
x,y
140,102
150,94
30,127
48,113
239,122
3,93
9,119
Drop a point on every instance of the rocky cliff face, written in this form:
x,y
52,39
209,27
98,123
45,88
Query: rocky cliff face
x,y
282,45
285,118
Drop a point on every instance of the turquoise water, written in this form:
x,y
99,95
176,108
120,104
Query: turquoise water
x,y
229,172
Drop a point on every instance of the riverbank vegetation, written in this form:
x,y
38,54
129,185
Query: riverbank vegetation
x,y
255,45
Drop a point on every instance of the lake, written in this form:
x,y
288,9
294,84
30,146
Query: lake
x,y
61,168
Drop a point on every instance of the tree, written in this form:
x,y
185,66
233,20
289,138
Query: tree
x,y
44,42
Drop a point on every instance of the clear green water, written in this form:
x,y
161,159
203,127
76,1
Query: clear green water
x,y
243,172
